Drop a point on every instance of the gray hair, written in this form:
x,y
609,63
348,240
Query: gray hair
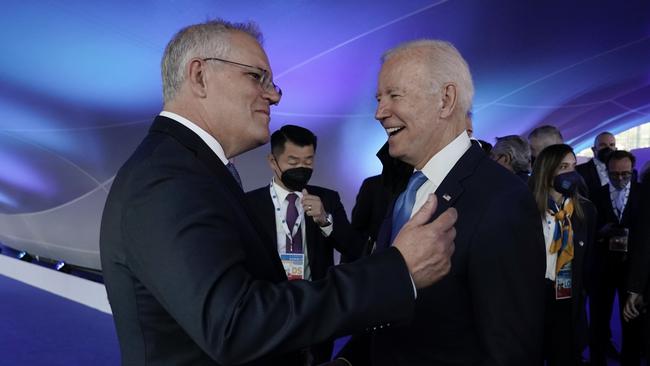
x,y
515,147
547,132
446,65
209,39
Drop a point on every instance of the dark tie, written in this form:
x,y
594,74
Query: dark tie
x,y
295,245
405,202
235,174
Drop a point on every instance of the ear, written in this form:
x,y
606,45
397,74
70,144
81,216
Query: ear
x,y
449,94
271,160
196,77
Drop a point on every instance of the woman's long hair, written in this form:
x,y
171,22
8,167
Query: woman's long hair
x,y
541,181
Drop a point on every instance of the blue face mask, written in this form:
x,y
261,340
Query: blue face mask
x,y
567,183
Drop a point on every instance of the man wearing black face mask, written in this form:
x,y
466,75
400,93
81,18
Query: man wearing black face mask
x,y
308,222
618,206
594,171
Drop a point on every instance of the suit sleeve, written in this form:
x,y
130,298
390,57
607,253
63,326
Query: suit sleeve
x,y
506,279
344,238
639,269
186,247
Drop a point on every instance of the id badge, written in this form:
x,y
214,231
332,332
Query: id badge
x,y
618,243
563,285
294,265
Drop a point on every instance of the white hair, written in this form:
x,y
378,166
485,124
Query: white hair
x,y
445,64
209,39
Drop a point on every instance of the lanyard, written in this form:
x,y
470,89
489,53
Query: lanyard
x,y
618,213
278,209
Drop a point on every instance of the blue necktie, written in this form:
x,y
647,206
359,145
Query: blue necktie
x,y
235,174
405,202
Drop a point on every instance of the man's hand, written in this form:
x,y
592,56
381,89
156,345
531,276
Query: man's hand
x,y
314,208
633,306
427,248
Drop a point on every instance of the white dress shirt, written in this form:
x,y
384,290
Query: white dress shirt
x,y
601,168
209,140
281,196
439,166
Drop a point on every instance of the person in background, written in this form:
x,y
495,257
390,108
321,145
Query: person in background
x,y
618,203
308,221
594,172
513,153
569,223
541,137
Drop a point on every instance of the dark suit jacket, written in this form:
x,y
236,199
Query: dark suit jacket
x,y
320,249
192,280
639,267
369,212
489,309
584,232
590,175
606,215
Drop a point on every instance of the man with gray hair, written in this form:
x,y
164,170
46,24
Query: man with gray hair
x,y
489,309
513,153
541,137
192,279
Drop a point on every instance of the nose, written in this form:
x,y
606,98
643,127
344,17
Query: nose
x,y
382,112
272,95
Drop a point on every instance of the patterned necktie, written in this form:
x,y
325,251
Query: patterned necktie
x,y
563,235
405,202
235,174
293,245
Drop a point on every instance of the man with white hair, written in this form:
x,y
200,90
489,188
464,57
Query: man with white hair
x,y
489,309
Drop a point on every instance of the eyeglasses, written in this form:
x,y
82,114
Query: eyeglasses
x,y
623,175
262,77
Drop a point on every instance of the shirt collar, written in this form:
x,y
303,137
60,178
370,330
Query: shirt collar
x,y
437,168
612,189
281,192
209,140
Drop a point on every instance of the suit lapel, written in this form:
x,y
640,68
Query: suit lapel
x,y
451,187
212,162
267,216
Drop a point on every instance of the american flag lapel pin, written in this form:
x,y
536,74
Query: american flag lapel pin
x,y
446,197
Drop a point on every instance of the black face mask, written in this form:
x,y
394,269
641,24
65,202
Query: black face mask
x,y
294,179
567,183
603,154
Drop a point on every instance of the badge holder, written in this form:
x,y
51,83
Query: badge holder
x,y
563,283
294,265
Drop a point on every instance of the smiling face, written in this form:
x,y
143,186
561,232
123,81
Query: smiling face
x,y
409,109
237,108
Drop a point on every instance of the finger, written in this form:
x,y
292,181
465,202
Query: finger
x,y
304,191
445,221
424,213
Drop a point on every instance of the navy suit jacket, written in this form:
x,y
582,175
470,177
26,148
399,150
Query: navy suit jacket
x,y
192,280
489,309
590,175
